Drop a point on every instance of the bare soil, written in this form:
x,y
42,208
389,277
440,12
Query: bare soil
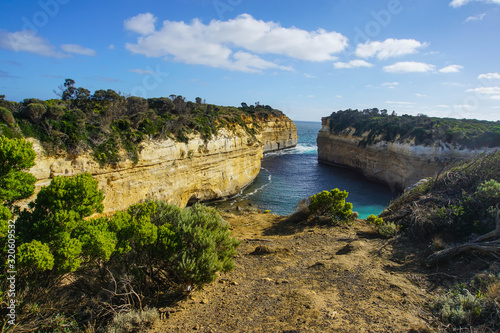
x,y
294,276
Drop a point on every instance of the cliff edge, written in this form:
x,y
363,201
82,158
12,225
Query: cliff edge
x,y
399,151
177,172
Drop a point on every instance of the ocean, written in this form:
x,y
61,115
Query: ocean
x,y
290,175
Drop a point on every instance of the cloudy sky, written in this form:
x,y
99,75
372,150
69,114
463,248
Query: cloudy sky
x,y
307,58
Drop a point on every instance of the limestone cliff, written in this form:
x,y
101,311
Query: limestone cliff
x,y
278,134
398,164
173,171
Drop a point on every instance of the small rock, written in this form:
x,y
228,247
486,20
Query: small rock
x,y
267,280
332,315
234,283
205,301
196,328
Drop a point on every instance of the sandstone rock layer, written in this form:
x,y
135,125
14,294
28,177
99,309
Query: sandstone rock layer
x,y
176,172
397,164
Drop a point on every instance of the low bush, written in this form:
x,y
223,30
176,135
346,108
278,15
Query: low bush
x,y
134,321
475,305
385,229
332,204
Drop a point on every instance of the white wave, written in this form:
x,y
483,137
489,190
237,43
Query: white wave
x,y
300,149
258,189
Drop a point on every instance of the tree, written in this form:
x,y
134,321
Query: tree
x,y
35,112
6,116
16,155
70,91
57,220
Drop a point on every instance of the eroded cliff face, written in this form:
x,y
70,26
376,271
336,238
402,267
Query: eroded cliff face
x,y
397,164
175,172
278,134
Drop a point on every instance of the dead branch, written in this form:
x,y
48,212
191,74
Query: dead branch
x,y
124,292
487,248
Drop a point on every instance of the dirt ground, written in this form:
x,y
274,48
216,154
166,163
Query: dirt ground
x,y
293,276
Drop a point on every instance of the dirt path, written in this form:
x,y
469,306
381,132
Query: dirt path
x,y
292,277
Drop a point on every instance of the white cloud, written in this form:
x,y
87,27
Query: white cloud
x,y
111,46
77,49
479,17
143,24
495,97
352,64
389,48
390,84
28,41
485,90
451,69
409,67
234,44
309,76
489,76
460,3
420,95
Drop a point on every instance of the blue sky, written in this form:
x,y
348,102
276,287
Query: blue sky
x,y
306,58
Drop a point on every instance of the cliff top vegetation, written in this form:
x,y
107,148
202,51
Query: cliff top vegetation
x,y
107,122
383,126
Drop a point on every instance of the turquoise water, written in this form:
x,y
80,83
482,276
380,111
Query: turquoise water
x,y
290,175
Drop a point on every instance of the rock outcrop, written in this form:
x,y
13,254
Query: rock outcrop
x,y
278,134
398,164
176,172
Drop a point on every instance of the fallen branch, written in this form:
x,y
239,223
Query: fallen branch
x,y
487,248
488,244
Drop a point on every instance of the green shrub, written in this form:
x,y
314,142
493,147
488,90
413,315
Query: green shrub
x,y
385,229
6,116
201,244
388,229
331,203
373,219
475,304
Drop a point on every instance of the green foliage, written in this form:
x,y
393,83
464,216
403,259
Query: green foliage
x,y
6,116
331,203
16,155
113,126
458,307
57,220
373,126
388,229
198,241
385,229
35,255
373,219
474,304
